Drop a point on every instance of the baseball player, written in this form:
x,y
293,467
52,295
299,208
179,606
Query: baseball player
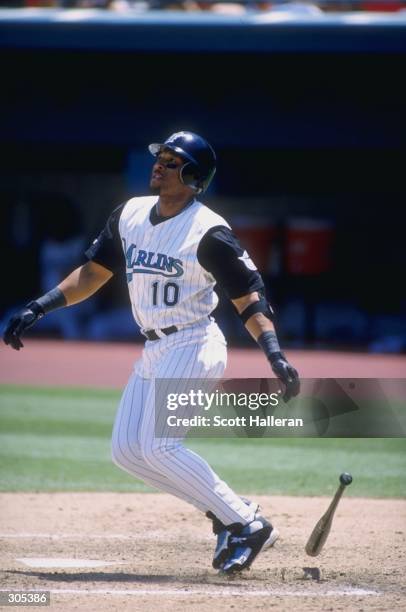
x,y
175,250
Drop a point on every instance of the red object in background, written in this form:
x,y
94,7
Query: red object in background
x,y
384,7
308,246
40,3
258,237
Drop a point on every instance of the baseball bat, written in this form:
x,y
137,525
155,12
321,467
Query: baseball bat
x,y
320,532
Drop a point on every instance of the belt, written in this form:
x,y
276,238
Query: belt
x,y
151,334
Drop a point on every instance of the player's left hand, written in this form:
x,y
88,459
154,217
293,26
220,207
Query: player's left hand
x,y
287,375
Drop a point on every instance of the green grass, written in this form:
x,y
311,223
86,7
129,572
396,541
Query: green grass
x,y
56,439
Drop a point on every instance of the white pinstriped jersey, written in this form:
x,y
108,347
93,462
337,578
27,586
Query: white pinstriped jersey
x,y
166,283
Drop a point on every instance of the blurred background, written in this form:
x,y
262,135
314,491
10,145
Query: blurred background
x,y
304,105
218,6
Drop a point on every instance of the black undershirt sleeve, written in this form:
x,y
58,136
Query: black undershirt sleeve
x,y
107,249
221,254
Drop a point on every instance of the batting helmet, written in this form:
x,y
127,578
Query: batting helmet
x,y
200,159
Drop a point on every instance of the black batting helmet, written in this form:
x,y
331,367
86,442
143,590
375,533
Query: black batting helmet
x,y
199,156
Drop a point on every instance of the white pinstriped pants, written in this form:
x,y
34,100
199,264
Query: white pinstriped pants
x,y
164,463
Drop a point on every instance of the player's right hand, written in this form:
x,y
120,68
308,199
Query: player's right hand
x,y
19,323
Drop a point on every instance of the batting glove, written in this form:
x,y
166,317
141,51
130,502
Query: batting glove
x,y
20,322
286,374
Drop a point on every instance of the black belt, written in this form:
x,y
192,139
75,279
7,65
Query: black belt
x,y
152,335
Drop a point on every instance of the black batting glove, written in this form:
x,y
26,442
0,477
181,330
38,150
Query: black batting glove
x,y
279,364
286,373
20,322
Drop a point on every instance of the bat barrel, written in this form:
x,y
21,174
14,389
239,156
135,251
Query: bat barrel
x,y
320,532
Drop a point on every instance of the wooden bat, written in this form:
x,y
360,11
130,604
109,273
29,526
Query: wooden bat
x,y
320,532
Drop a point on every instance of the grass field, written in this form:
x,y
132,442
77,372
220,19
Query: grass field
x,y
55,439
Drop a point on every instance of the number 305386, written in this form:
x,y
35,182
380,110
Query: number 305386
x,y
21,598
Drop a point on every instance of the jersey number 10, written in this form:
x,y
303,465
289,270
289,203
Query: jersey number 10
x,y
170,294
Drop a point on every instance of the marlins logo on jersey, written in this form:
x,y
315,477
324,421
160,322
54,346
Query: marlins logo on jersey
x,y
141,261
166,283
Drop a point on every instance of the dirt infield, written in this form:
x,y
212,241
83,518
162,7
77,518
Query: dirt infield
x,y
157,553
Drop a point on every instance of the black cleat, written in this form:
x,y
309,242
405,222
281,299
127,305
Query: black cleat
x,y
222,549
223,533
248,543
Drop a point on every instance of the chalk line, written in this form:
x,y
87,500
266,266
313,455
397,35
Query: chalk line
x,y
218,592
91,536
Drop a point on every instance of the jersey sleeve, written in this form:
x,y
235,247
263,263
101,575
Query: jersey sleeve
x,y
107,250
220,253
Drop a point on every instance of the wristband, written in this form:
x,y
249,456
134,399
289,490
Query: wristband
x,y
270,345
49,301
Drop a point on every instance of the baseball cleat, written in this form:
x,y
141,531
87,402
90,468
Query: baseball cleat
x,y
247,544
223,533
222,549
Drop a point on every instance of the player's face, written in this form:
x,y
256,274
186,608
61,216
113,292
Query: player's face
x,y
165,174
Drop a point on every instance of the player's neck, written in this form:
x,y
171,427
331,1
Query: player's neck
x,y
168,206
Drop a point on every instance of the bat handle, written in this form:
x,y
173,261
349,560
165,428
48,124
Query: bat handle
x,y
336,498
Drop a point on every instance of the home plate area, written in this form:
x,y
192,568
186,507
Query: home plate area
x,y
105,551
60,563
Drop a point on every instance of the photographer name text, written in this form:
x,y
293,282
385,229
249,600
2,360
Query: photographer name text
x,y
238,421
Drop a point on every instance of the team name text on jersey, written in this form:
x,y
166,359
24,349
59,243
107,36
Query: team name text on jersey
x,y
147,262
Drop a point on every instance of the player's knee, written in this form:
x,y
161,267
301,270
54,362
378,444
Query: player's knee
x,y
124,442
122,454
117,456
127,461
156,453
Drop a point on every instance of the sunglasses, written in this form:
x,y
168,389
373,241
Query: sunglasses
x,y
171,165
